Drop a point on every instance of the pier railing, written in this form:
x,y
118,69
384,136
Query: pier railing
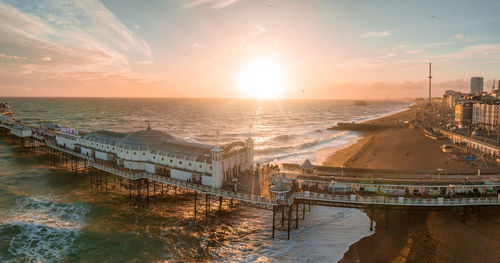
x,y
394,201
244,197
68,151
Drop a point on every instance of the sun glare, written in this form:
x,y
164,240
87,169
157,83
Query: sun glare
x,y
262,78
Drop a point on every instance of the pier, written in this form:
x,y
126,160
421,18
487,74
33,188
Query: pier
x,y
289,204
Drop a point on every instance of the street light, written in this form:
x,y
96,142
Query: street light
x,y
342,170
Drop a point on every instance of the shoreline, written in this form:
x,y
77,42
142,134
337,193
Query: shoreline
x,y
416,236
322,155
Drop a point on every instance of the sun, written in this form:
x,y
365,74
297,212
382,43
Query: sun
x,y
262,78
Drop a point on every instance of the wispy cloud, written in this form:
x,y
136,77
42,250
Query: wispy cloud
x,y
4,56
145,62
459,36
489,51
80,34
437,44
377,34
472,39
215,4
415,51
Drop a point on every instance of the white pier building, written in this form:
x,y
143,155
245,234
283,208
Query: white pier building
x,y
162,154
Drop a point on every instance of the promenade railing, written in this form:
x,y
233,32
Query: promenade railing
x,y
396,201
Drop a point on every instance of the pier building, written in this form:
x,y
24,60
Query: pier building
x,y
160,153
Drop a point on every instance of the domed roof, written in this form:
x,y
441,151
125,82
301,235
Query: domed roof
x,y
144,139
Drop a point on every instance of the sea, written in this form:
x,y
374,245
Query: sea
x,y
50,215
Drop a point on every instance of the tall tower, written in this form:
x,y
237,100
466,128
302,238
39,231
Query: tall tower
x,y
430,78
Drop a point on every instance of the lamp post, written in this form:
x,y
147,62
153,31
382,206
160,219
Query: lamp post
x,y
439,173
342,170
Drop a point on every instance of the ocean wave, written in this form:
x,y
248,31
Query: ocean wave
x,y
41,229
301,146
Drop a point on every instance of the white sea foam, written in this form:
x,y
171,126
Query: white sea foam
x,y
324,236
43,229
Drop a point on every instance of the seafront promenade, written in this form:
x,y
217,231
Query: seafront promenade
x,y
384,195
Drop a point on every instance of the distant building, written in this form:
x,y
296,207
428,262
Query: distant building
x,y
486,115
476,85
452,98
448,92
463,113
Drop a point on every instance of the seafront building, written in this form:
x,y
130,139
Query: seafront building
x,y
463,113
476,85
162,154
479,109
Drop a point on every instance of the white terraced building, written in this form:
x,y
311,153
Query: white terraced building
x,y
163,154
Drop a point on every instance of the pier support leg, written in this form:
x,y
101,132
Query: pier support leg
x,y
371,219
274,216
303,210
297,215
206,207
282,216
162,191
220,203
130,192
289,217
90,173
195,201
147,192
231,203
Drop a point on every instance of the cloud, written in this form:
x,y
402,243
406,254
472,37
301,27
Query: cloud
x,y
256,30
196,45
4,56
215,4
438,44
488,51
392,90
459,36
145,62
472,39
409,52
377,34
75,34
401,46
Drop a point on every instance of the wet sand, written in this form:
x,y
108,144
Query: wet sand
x,y
418,236
402,148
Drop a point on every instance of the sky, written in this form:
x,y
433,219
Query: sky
x,y
327,49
